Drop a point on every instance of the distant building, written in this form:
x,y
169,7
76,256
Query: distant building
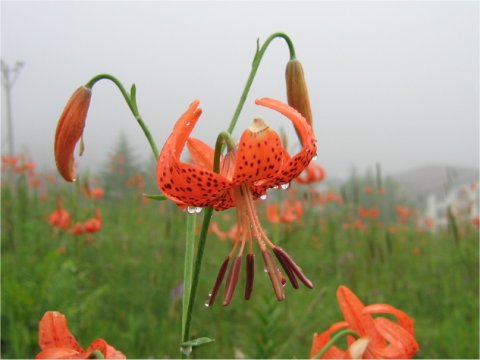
x,y
463,201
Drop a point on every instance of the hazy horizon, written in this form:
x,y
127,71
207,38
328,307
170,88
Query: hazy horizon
x,y
394,83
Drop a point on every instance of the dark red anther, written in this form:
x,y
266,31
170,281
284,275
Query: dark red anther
x,y
232,280
218,281
250,275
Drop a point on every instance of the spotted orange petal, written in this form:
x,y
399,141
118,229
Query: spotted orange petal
x,y
260,154
296,164
188,185
54,333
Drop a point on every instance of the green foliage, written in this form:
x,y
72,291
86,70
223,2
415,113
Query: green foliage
x,y
122,284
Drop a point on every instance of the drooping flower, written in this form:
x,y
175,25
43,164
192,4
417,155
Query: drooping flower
x,y
258,163
94,224
57,342
381,337
60,218
69,131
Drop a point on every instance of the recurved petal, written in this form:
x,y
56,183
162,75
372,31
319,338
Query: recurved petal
x,y
187,185
401,343
69,131
403,319
295,165
53,332
352,310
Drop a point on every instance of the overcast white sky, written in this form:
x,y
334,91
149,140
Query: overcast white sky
x,y
390,82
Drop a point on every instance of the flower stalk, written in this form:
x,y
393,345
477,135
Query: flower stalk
x,y
131,99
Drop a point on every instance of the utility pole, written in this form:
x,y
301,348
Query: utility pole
x,y
9,75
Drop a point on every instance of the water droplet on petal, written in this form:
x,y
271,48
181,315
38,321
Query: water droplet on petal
x,y
285,186
275,187
194,210
315,157
263,197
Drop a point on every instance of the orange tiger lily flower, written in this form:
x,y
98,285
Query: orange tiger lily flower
x,y
381,338
94,224
258,163
69,131
291,211
60,218
57,342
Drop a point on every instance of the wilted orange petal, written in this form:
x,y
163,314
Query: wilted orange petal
x,y
69,130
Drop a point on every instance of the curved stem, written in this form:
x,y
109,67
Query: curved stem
x,y
339,335
256,62
132,104
224,138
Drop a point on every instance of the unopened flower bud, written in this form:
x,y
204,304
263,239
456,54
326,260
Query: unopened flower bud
x,y
69,131
297,92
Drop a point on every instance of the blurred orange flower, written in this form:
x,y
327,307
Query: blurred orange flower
x,y
57,342
60,218
380,337
313,173
291,211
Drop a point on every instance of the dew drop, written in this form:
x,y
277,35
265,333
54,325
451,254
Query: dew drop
x,y
194,210
285,186
315,157
275,187
263,197
207,305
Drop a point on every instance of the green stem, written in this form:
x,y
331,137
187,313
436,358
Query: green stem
x,y
196,276
188,268
339,335
132,104
256,62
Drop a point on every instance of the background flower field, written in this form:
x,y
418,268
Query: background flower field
x,y
123,283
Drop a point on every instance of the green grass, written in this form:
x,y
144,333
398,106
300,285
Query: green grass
x,y
119,287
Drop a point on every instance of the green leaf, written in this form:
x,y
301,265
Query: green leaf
x,y
157,197
198,342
